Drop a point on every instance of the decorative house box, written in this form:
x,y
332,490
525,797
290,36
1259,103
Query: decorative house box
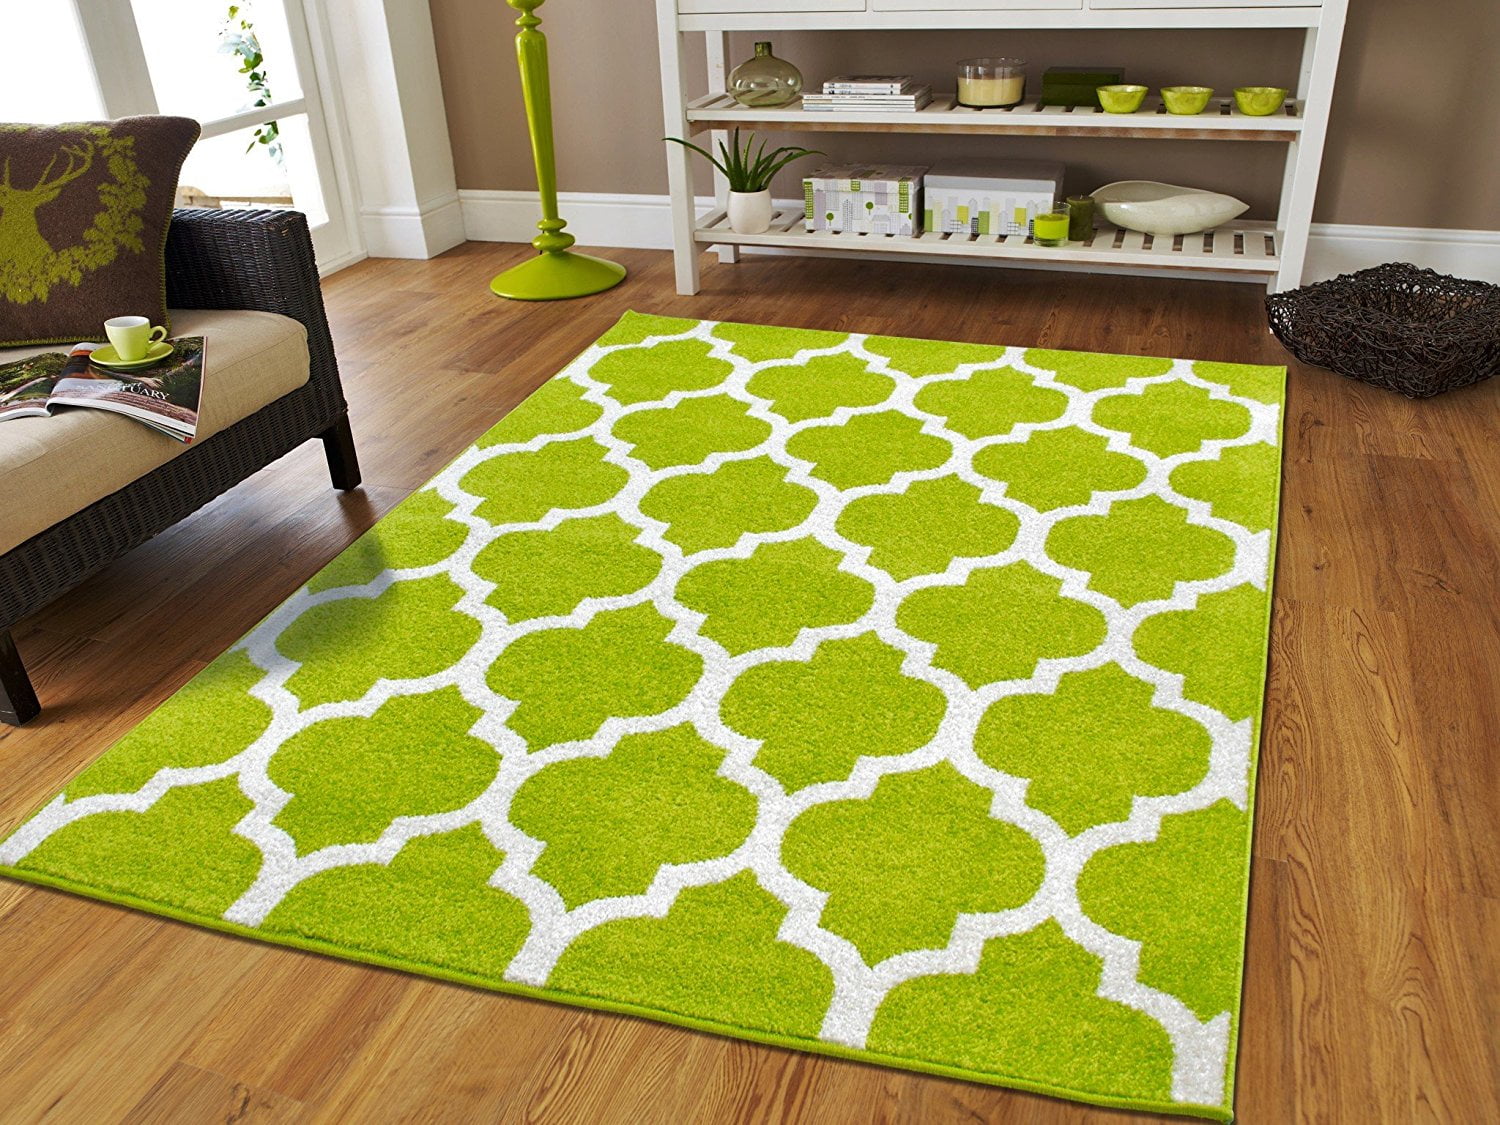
x,y
989,196
1078,85
864,199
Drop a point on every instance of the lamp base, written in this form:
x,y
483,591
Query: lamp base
x,y
557,275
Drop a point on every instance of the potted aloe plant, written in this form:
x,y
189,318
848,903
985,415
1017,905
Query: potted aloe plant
x,y
749,170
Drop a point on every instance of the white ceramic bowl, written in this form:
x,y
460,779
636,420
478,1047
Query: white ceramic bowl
x,y
1166,209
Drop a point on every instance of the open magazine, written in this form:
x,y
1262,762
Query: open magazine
x,y
164,395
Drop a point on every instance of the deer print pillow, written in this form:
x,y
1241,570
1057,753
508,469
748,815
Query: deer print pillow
x,y
84,210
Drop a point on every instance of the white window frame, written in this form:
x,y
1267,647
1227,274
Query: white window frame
x,y
123,77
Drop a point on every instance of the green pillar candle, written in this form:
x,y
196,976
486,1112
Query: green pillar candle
x,y
1080,217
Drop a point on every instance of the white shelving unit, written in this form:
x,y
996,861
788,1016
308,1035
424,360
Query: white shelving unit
x,y
1272,253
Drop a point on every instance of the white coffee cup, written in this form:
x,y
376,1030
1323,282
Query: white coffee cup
x,y
132,336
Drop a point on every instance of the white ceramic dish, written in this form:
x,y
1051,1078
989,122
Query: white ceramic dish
x,y
1166,209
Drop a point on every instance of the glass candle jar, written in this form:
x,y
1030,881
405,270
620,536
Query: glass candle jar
x,y
991,83
1050,227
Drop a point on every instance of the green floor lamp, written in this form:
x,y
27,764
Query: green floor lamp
x,y
556,272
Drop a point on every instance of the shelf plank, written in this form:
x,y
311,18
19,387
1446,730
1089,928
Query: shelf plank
x,y
935,16
1246,247
1220,122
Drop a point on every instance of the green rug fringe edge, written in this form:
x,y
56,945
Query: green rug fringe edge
x,y
733,1031
619,1007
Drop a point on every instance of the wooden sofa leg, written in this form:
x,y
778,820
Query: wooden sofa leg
x,y
343,462
17,697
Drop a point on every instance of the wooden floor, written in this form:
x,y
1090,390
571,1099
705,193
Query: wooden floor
x,y
1373,989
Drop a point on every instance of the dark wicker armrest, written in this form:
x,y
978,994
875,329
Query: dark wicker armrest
x,y
260,260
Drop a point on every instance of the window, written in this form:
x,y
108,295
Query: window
x,y
45,75
253,73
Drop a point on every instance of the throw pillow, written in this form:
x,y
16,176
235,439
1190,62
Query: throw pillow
x,y
84,210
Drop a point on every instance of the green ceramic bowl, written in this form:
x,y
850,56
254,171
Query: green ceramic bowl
x,y
1186,99
1122,99
1259,101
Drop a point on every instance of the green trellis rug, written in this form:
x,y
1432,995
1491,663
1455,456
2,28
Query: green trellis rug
x,y
887,698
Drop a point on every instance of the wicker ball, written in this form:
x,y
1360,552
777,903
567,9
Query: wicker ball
x,y
1395,326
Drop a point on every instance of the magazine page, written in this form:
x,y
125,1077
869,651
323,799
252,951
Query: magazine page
x,y
165,395
26,384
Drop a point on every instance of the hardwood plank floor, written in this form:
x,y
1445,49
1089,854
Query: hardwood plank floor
x,y
1373,983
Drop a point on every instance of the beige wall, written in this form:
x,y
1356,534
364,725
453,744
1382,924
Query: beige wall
x,y
1386,164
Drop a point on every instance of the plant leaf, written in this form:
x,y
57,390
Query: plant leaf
x,y
778,164
748,166
701,152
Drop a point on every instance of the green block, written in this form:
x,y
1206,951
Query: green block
x,y
1070,95
1083,75
1068,85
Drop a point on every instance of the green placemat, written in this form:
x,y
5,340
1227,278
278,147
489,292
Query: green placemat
x,y
891,699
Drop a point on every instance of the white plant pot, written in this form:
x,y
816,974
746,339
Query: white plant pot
x,y
1166,209
750,212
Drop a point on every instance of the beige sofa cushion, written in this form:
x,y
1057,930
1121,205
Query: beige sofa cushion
x,y
52,467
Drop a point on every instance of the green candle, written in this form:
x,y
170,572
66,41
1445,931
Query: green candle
x,y
1080,217
1050,228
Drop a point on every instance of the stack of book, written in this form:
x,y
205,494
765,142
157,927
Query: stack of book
x,y
861,93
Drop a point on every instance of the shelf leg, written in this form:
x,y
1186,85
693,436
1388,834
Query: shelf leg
x,y
718,80
679,159
1304,158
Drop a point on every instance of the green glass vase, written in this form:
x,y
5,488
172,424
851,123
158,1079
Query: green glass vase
x,y
765,81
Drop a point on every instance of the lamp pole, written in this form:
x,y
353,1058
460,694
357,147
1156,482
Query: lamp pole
x,y
557,271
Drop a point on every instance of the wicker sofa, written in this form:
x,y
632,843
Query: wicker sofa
x,y
216,260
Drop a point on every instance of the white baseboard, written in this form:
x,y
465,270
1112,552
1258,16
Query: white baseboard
x,y
1336,248
413,232
638,222
645,222
329,266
